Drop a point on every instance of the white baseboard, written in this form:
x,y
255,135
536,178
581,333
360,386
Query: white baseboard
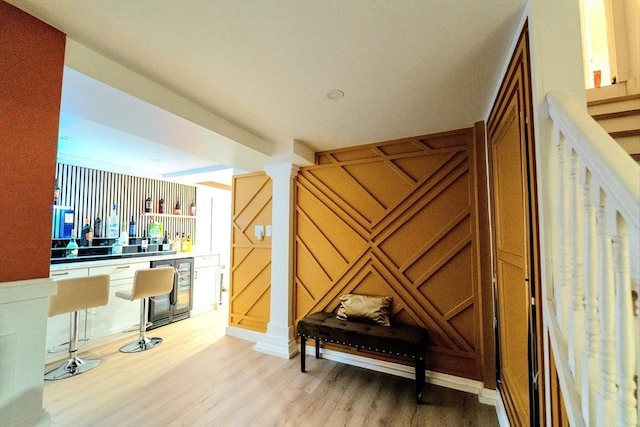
x,y
485,396
501,412
196,311
488,396
243,334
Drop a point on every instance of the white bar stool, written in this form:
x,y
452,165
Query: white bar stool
x,y
74,295
147,283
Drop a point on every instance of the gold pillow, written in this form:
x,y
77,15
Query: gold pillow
x,y
366,308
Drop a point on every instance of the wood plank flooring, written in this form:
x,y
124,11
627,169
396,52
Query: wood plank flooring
x,y
199,377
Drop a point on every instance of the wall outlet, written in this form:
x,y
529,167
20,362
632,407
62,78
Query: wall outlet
x,y
268,230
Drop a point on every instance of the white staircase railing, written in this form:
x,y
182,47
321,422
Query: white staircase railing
x,y
591,311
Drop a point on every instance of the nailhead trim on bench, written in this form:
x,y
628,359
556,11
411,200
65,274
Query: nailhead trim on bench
x,y
405,355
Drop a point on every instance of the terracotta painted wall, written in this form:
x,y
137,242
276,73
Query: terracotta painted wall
x,y
398,218
31,67
250,289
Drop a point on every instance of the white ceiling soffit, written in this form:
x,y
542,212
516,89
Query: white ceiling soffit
x,y
103,125
406,67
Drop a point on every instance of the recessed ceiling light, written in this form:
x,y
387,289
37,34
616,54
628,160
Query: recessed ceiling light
x,y
334,94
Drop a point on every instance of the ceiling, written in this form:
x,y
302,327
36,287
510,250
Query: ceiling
x,y
406,67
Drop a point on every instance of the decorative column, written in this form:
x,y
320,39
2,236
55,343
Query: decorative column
x,y
279,340
23,330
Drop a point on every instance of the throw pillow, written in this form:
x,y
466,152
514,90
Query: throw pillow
x,y
365,308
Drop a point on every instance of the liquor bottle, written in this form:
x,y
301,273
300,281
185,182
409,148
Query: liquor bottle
x,y
86,236
132,227
56,193
97,226
145,242
183,244
189,245
113,223
148,204
177,245
116,248
166,244
124,234
72,246
177,210
192,212
161,205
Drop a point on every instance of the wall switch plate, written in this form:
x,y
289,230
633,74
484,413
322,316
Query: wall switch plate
x,y
259,232
268,230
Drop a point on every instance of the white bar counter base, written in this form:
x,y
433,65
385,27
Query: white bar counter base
x,y
100,326
23,326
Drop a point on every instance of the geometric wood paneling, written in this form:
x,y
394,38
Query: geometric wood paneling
x,y
250,290
396,218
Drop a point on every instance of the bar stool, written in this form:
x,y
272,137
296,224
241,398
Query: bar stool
x,y
147,283
74,295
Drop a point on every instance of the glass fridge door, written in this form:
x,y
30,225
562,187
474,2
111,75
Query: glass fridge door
x,y
160,305
184,281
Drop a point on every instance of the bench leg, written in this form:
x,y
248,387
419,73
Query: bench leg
x,y
317,348
420,378
303,342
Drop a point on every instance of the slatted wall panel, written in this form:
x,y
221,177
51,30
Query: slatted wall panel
x,y
396,218
249,306
91,193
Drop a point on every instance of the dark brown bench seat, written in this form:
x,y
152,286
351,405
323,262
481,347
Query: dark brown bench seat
x,y
406,342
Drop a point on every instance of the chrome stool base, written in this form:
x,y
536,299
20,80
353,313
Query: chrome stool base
x,y
73,367
141,344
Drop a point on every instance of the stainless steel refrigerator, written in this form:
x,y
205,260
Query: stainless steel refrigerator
x,y
174,306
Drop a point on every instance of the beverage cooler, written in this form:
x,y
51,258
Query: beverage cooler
x,y
164,309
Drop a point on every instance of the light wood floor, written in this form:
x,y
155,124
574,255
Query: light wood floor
x,y
199,377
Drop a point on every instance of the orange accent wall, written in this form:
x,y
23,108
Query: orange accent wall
x,y
399,218
31,68
250,290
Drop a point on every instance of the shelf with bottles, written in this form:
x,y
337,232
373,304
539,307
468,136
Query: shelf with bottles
x,y
101,248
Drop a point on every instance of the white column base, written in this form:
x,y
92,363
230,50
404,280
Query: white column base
x,y
277,342
23,326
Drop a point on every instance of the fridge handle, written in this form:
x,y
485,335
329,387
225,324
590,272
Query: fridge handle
x,y
173,295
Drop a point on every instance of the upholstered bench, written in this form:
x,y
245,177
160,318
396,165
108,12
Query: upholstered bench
x,y
401,341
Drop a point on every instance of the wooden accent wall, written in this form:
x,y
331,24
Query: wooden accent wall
x,y
250,290
91,192
31,67
397,218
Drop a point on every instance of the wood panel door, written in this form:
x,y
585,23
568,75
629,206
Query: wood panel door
x,y
514,241
511,261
